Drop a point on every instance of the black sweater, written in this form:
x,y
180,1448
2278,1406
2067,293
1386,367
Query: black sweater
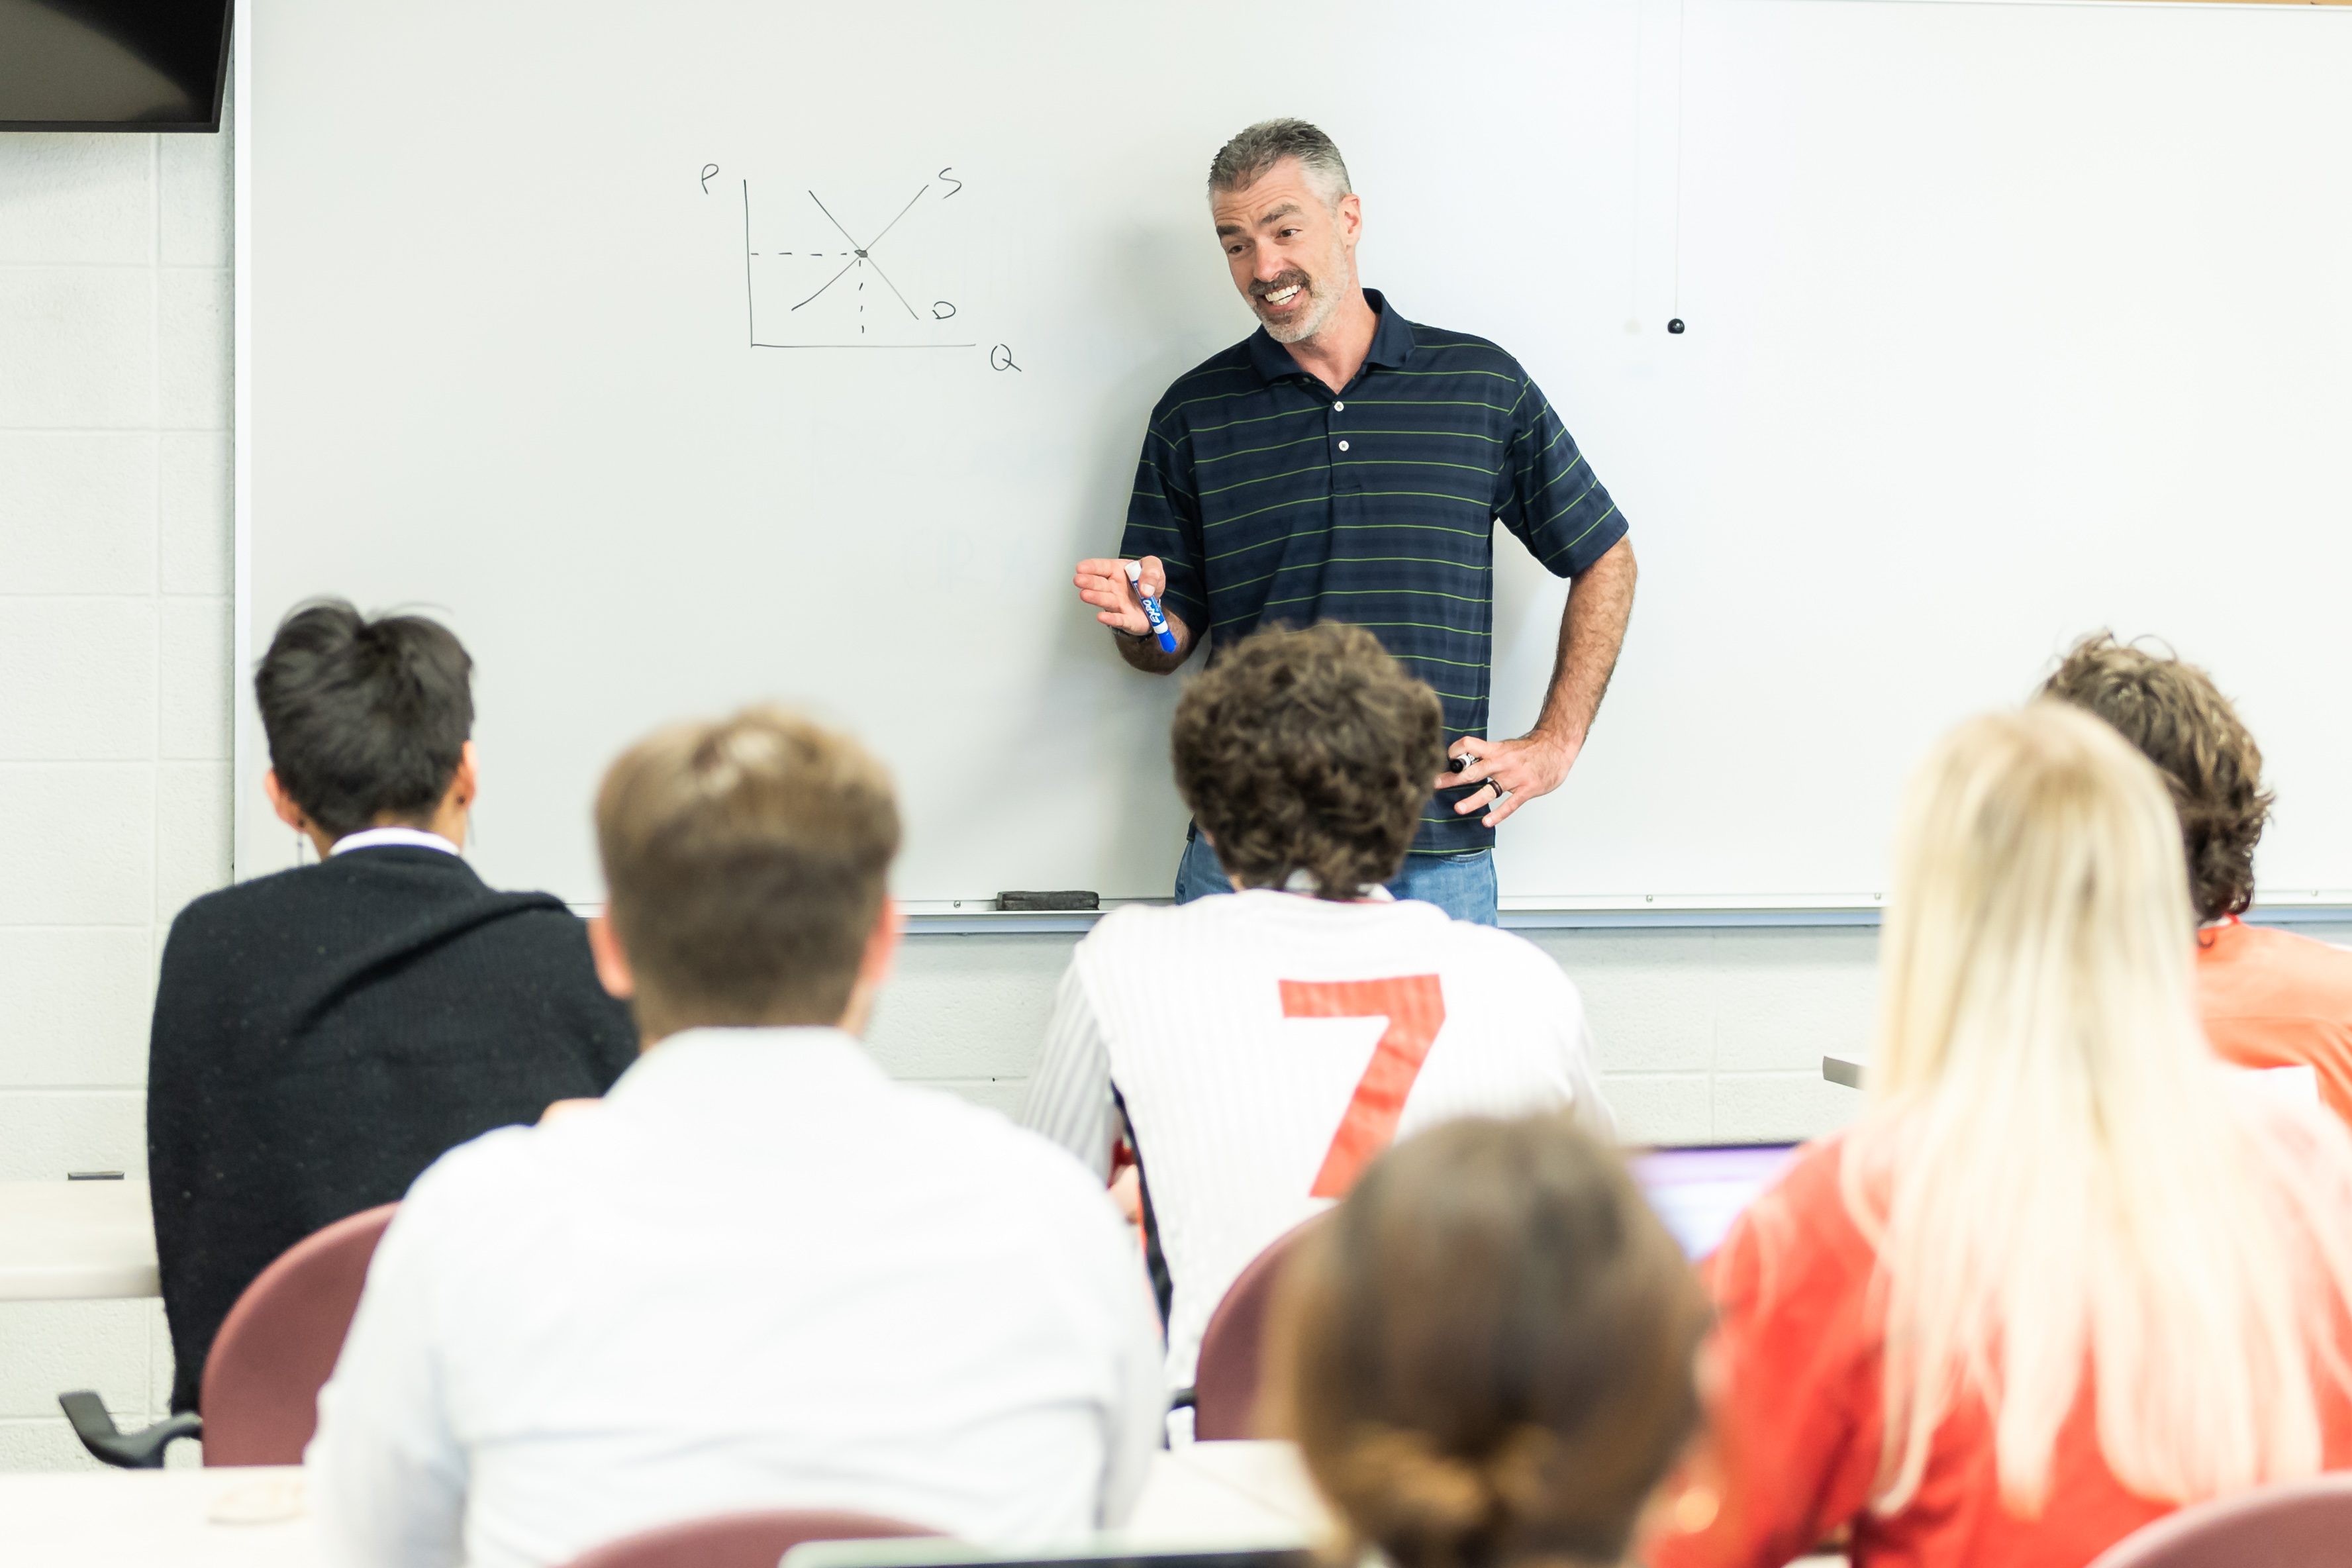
x,y
323,1035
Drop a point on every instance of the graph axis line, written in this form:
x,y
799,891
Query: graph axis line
x,y
862,346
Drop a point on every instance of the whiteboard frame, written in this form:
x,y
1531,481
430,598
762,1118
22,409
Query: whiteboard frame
x,y
971,916
245,757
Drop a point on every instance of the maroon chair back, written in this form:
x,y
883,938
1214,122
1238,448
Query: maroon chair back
x,y
279,1341
739,1539
2297,1524
1233,1347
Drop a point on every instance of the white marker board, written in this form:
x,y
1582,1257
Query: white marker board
x,y
2005,321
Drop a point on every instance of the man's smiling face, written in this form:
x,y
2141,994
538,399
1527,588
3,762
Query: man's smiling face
x,y
1293,255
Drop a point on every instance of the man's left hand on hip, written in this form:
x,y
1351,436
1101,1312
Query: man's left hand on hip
x,y
1515,772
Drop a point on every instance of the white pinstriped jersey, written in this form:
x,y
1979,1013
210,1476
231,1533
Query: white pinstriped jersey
x,y
1264,1045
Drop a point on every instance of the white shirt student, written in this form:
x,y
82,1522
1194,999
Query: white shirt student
x,y
1246,1045
758,1274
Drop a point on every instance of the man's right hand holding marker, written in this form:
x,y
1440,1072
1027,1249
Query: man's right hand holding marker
x,y
1103,583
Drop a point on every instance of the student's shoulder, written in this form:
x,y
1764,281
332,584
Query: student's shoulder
x,y
1490,950
1131,927
229,917
367,879
240,900
497,1179
2316,976
1798,1237
1207,933
985,1151
502,1157
540,922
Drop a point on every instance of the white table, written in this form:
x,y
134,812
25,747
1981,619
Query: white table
x,y
1207,1495
73,1240
151,1519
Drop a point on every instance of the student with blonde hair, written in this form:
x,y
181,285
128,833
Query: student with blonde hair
x,y
2065,1275
1488,1353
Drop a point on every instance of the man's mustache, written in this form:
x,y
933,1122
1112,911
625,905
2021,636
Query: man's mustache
x,y
1284,280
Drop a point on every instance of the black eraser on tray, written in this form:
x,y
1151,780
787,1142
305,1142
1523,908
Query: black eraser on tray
x,y
1048,903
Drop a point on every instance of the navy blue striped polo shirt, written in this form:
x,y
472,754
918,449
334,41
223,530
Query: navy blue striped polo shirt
x,y
1272,499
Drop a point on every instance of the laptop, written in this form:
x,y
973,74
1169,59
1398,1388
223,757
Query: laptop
x,y
1699,1191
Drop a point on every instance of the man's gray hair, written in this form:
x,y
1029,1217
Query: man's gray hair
x,y
1243,161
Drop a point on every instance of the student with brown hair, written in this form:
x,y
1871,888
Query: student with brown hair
x,y
1486,1353
757,1274
2269,998
1257,1050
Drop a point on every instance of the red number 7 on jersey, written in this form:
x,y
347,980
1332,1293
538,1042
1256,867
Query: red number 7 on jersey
x,y
1414,1005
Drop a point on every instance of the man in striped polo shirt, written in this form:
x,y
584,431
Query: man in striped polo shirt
x,y
1342,463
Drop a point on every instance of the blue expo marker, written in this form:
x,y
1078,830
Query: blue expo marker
x,y
1152,609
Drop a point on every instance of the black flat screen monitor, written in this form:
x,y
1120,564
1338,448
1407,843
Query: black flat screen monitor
x,y
113,65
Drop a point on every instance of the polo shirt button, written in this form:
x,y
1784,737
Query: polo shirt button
x,y
1343,445
1338,408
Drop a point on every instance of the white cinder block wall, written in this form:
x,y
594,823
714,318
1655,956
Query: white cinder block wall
x,y
115,583
115,689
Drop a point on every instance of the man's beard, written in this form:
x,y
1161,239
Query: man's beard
x,y
1323,303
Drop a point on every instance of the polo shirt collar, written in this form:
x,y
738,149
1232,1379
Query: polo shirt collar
x,y
1391,343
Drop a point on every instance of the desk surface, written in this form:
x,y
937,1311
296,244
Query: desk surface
x,y
1209,1494
1203,1495
67,1240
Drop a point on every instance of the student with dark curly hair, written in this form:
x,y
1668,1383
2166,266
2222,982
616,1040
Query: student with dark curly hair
x,y
1257,1050
1487,1354
2269,998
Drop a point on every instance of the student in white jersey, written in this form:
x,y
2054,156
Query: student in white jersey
x,y
1258,1050
757,1274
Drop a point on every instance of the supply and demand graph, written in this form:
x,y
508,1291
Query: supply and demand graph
x,y
853,269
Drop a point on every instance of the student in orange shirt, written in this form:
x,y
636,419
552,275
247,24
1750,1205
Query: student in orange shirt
x,y
2270,998
2066,1274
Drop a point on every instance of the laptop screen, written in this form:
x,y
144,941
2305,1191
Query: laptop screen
x,y
1700,1192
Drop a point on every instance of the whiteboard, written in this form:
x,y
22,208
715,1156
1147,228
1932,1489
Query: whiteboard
x,y
2006,322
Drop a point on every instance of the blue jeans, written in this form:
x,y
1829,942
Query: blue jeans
x,y
1460,885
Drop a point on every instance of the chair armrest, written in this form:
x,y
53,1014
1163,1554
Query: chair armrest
x,y
125,1450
